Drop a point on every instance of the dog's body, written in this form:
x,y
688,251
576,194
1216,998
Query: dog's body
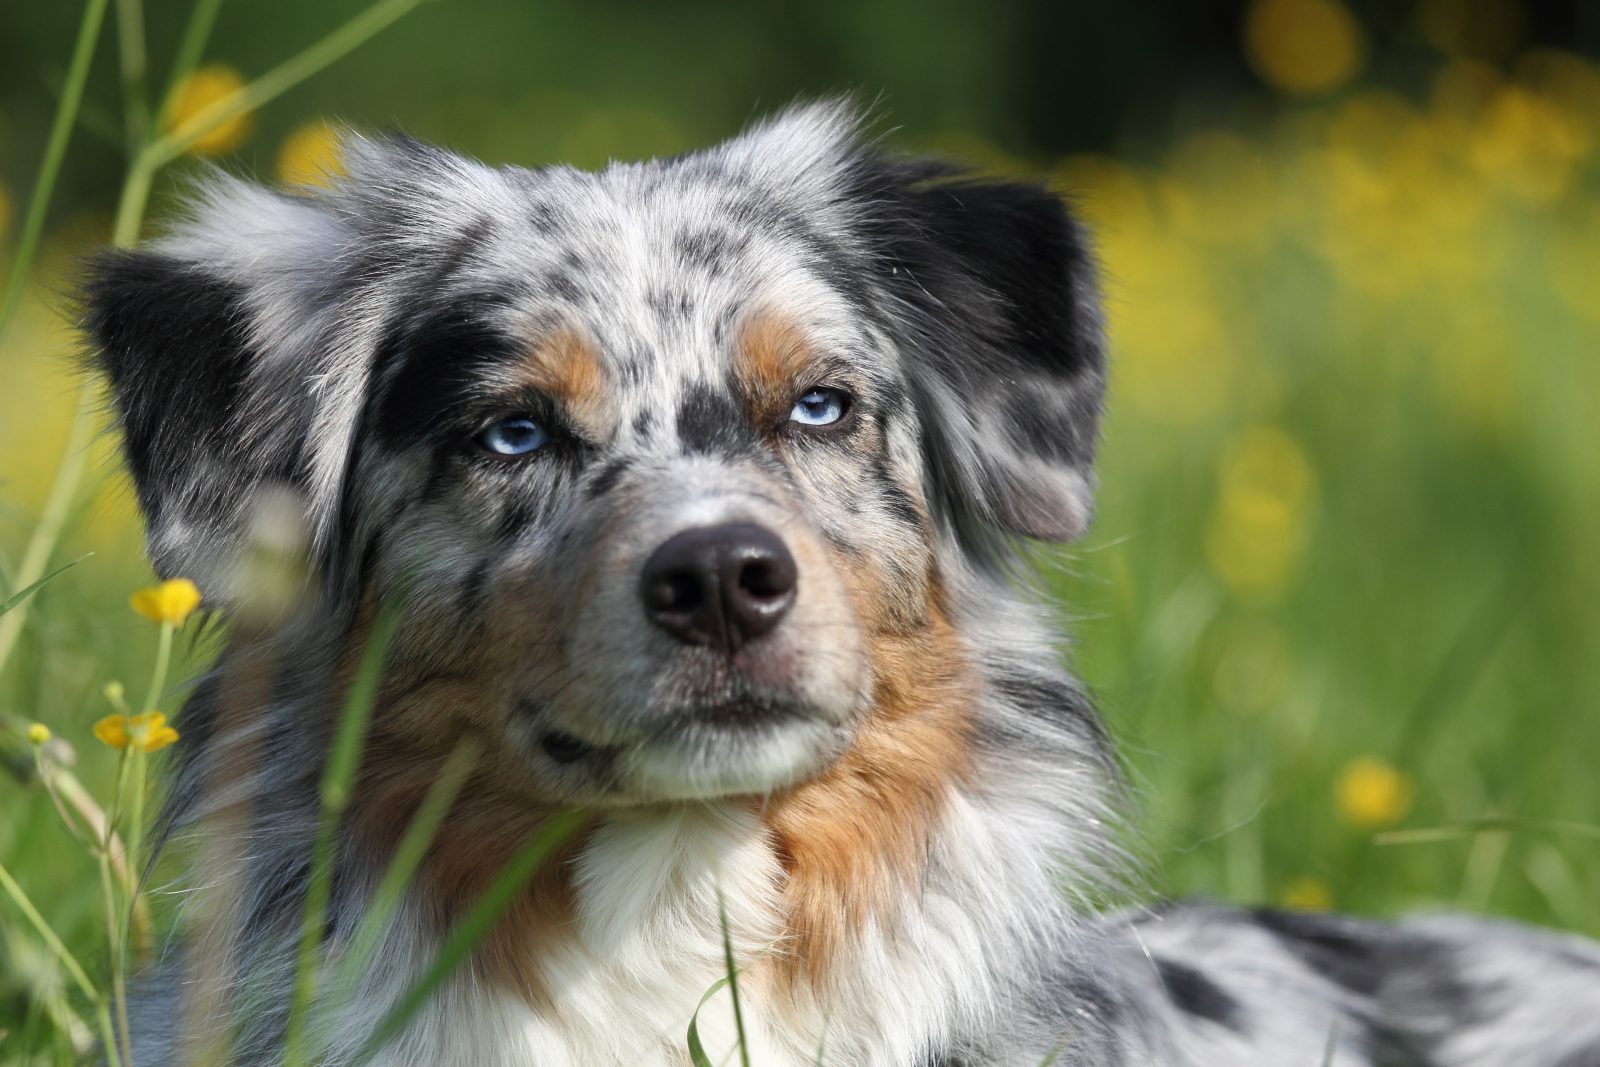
x,y
699,478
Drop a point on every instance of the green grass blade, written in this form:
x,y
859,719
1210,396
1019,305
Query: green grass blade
x,y
477,923
190,48
733,978
23,594
285,76
338,779
66,117
697,1048
52,519
48,935
1055,1053
408,856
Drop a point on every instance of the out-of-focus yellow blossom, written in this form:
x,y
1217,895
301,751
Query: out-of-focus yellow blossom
x,y
148,732
1307,894
1569,83
310,155
1258,531
1372,793
1527,145
172,601
1303,46
200,90
39,733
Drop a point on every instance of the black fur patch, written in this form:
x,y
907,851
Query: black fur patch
x,y
607,478
1194,993
171,341
440,357
710,422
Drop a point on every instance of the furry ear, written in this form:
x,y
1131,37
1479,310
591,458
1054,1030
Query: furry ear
x,y
993,296
212,342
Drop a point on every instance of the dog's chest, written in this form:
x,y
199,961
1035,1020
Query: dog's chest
x,y
646,944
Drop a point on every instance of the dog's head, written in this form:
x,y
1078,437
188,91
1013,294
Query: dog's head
x,y
676,460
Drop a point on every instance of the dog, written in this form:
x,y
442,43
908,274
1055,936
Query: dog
x,y
704,485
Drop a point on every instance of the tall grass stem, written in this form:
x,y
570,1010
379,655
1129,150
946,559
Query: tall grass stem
x,y
50,166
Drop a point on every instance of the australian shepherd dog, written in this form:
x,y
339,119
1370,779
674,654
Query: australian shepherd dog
x,y
705,487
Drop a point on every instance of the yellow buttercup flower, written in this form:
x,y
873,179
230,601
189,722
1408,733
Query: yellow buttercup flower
x,y
1303,46
172,601
38,733
148,732
310,155
198,92
1373,793
1307,894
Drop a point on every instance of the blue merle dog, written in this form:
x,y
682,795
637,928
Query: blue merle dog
x,y
705,481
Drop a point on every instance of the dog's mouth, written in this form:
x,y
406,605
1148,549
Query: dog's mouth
x,y
718,749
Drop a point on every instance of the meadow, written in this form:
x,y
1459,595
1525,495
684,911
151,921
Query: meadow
x,y
1341,600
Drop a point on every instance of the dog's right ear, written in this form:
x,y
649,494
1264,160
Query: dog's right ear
x,y
209,340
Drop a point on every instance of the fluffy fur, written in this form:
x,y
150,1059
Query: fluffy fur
x,y
898,795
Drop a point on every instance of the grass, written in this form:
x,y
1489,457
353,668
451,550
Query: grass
x,y
1339,600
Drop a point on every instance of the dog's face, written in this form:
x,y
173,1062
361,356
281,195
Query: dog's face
x,y
672,461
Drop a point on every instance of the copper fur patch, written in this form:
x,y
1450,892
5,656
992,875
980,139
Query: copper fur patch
x,y
566,366
773,360
854,838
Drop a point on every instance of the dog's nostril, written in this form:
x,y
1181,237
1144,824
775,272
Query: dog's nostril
x,y
765,580
722,585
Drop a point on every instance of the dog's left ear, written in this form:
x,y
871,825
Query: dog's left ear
x,y
993,299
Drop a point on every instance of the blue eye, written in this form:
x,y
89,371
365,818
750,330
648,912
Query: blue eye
x,y
516,436
820,407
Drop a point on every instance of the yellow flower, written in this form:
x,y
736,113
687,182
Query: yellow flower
x,y
1303,46
1307,894
148,732
1373,793
172,601
310,155
1262,520
38,733
199,91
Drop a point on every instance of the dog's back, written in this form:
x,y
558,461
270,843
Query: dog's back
x,y
701,481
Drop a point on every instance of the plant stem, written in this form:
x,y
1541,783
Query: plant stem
x,y
131,49
158,677
190,49
338,780
119,992
50,166
70,962
279,79
42,544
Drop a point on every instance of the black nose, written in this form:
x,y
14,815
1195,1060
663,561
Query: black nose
x,y
719,585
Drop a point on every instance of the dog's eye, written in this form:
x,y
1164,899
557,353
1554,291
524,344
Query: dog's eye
x,y
820,407
515,436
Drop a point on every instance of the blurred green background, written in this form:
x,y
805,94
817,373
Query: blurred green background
x,y
1345,575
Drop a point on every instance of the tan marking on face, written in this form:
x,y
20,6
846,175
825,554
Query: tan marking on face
x,y
855,837
773,361
566,366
